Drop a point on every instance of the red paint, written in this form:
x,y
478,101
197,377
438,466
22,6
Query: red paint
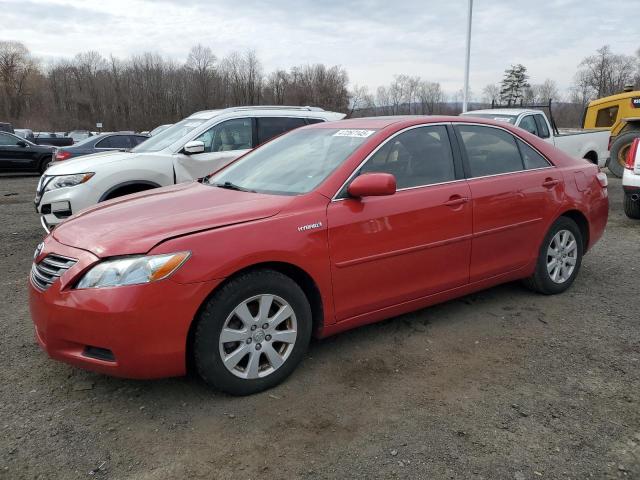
x,y
371,258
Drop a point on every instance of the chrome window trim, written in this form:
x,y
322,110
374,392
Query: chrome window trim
x,y
335,199
468,179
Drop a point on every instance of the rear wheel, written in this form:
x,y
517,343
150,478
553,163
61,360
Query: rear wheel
x,y
252,333
631,207
44,163
559,258
619,150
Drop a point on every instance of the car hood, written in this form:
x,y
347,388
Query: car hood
x,y
88,163
136,223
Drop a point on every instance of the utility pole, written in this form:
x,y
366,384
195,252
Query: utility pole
x,y
465,92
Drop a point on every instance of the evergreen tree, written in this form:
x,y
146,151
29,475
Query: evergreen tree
x,y
514,84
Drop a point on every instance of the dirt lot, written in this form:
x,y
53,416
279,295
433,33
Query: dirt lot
x,y
504,384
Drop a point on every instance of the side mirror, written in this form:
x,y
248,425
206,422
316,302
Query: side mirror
x,y
372,185
192,147
21,143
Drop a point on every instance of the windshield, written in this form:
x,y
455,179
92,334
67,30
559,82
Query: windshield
x,y
294,163
170,135
494,116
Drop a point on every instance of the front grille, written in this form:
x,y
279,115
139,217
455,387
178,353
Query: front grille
x,y
51,268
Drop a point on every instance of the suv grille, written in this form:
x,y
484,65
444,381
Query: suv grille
x,y
51,267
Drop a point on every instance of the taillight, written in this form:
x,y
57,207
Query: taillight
x,y
631,154
602,178
62,155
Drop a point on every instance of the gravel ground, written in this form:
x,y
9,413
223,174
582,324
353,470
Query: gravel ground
x,y
503,384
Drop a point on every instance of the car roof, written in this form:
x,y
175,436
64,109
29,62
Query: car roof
x,y
275,110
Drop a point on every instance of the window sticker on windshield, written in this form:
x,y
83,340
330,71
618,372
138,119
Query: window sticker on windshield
x,y
354,133
501,119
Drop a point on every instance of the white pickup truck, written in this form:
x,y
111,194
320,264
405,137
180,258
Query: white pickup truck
x,y
592,145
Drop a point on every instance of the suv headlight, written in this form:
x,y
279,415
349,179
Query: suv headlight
x,y
61,181
132,270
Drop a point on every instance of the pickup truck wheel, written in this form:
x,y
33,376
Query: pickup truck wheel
x,y
559,258
252,333
619,150
631,207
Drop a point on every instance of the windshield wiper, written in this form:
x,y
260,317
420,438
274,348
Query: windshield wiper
x,y
233,186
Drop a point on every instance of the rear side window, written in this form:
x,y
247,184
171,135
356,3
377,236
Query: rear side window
x,y
529,124
420,156
530,157
136,140
489,151
272,127
606,116
114,141
543,130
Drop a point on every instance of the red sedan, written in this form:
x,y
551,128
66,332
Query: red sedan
x,y
326,228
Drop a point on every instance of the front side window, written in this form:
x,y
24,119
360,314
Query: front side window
x,y
417,157
606,117
489,151
528,123
294,163
228,136
9,140
531,158
272,127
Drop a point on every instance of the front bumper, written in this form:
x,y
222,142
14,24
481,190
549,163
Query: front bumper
x,y
630,181
144,328
57,205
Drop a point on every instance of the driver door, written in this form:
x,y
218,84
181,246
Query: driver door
x,y
223,143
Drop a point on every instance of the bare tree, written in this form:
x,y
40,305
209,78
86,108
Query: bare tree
x,y
606,73
491,93
16,67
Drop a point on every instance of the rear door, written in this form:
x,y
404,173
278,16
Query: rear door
x,y
515,192
417,242
223,143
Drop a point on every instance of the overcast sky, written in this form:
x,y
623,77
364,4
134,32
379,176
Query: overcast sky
x,y
372,39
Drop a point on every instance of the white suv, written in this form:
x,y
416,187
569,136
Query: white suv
x,y
631,181
190,149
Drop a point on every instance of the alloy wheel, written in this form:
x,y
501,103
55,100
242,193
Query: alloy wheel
x,y
258,336
562,256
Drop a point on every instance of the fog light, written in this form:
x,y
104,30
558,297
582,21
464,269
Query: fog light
x,y
60,207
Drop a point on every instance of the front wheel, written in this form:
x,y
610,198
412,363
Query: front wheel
x,y
631,206
252,333
559,258
44,164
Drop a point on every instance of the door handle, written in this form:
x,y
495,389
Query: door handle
x,y
456,200
550,182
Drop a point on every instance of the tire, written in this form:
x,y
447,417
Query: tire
x,y
619,149
44,164
631,207
252,353
543,280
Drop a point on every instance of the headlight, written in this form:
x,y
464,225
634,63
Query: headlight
x,y
68,180
132,270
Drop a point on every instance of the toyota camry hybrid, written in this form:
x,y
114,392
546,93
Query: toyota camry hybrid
x,y
326,228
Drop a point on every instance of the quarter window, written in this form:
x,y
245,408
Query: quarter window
x,y
227,136
114,141
530,157
272,127
417,157
606,116
543,129
490,151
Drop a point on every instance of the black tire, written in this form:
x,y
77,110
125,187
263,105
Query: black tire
x,y
619,149
631,207
44,163
541,280
211,320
